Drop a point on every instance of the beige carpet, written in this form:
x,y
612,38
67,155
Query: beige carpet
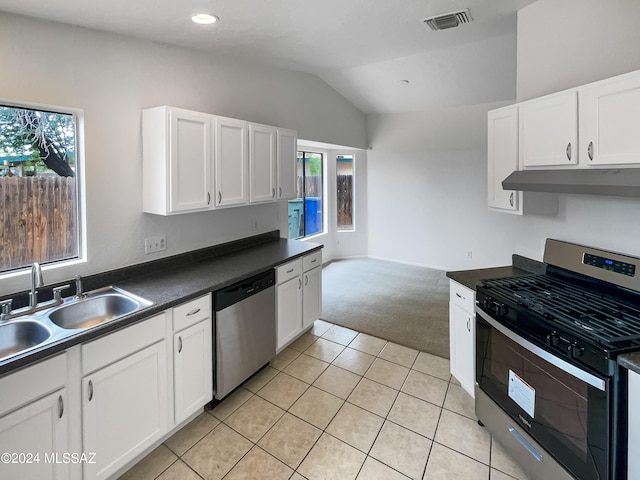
x,y
400,303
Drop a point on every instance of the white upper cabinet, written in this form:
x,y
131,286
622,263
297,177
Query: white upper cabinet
x,y
502,156
176,151
287,151
195,162
610,121
549,130
230,162
262,163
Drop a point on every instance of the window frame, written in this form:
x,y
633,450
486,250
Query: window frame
x,y
323,175
80,207
353,193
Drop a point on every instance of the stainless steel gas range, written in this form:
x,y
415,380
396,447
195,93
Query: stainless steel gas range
x,y
547,382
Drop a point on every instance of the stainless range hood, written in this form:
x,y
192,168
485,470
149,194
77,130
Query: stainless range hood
x,y
623,182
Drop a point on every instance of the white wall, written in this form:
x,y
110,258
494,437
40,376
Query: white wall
x,y
112,78
427,186
427,170
563,45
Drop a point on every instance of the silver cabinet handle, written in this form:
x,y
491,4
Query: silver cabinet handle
x,y
280,192
90,390
60,406
590,150
299,283
289,271
511,199
219,197
314,260
179,344
273,193
569,150
459,296
468,324
306,279
193,312
208,198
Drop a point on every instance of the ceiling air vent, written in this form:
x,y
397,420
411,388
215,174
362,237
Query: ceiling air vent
x,y
449,20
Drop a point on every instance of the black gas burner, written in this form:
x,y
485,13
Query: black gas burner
x,y
611,322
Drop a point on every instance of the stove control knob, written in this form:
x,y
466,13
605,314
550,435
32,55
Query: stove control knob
x,y
552,339
575,350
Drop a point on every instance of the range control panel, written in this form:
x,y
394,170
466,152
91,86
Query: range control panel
x,y
609,264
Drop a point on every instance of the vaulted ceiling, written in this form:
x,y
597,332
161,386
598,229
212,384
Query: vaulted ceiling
x,y
376,53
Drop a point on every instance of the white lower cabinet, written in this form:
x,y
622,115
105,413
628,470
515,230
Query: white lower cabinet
x,y
298,296
34,422
124,403
192,357
462,337
289,308
311,296
37,438
633,446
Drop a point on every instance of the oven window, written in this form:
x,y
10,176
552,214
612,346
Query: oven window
x,y
570,417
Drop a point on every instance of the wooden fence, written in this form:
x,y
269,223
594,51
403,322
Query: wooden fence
x,y
345,202
39,220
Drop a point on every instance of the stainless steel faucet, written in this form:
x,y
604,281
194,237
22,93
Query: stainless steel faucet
x,y
36,281
79,292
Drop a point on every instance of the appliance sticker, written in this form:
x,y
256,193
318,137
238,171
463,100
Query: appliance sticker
x,y
522,393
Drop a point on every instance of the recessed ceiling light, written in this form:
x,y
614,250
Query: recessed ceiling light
x,y
204,18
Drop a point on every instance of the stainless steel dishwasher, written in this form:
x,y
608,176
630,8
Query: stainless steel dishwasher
x,y
245,330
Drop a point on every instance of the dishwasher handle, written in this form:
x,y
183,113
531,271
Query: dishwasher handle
x,y
242,290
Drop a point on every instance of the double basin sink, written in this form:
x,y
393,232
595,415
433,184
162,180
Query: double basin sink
x,y
72,316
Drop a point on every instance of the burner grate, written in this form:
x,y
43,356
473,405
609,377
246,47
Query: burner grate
x,y
592,314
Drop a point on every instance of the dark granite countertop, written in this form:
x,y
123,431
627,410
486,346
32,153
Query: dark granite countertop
x,y
174,280
630,361
521,266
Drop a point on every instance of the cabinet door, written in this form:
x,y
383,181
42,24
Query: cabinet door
x,y
262,163
289,310
124,409
230,172
190,144
193,369
502,157
41,428
609,121
287,146
311,296
634,427
462,346
549,130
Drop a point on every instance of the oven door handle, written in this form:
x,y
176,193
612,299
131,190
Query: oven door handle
x,y
534,453
548,356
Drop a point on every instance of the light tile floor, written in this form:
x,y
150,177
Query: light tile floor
x,y
337,405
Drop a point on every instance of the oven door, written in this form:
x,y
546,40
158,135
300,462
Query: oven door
x,y
564,408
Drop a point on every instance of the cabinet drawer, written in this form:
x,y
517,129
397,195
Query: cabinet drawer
x,y
191,312
32,382
462,296
122,343
288,271
312,260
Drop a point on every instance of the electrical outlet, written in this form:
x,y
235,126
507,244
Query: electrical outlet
x,y
470,254
155,244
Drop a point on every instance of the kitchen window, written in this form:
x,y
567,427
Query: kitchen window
x,y
345,192
39,186
306,210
